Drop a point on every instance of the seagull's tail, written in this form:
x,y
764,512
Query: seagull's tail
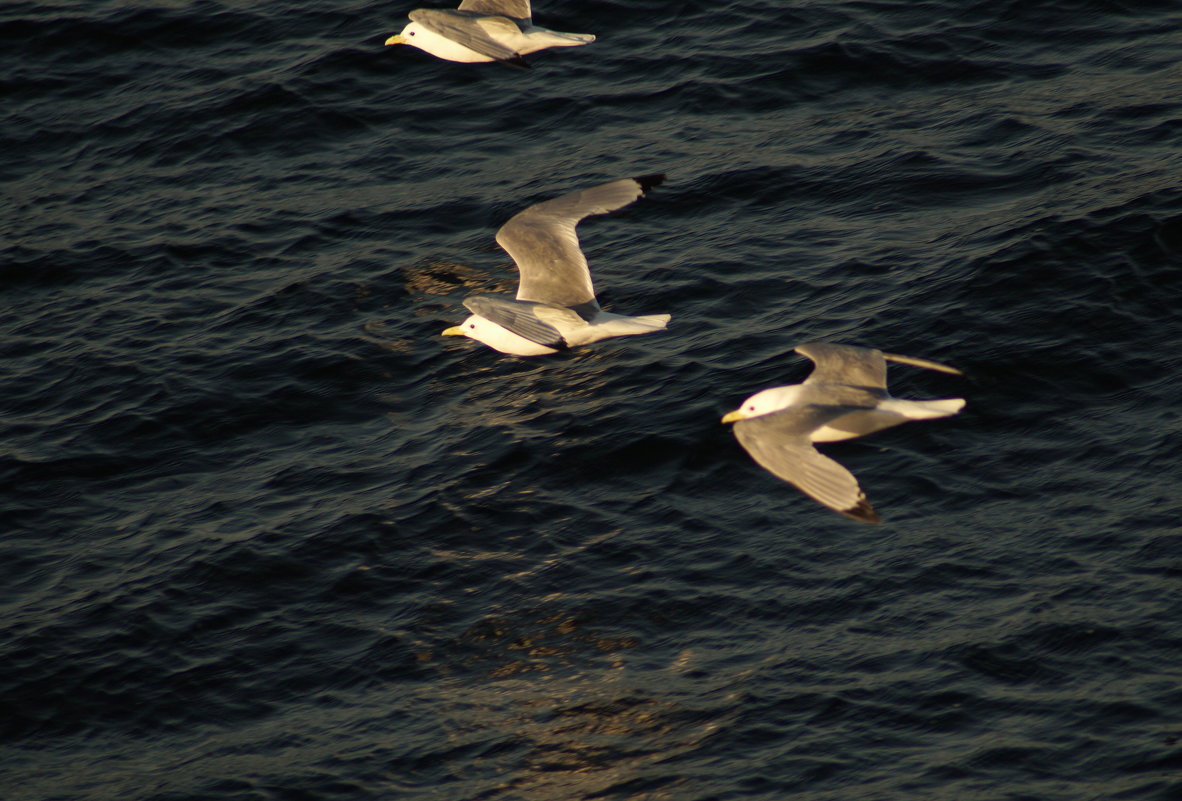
x,y
923,409
543,38
650,322
607,325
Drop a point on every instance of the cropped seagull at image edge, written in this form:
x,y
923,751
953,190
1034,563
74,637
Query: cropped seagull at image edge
x,y
844,397
555,307
483,30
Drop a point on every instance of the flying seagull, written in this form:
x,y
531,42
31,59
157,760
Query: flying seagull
x,y
482,30
555,307
844,397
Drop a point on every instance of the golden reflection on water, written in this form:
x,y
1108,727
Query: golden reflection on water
x,y
563,384
550,710
548,706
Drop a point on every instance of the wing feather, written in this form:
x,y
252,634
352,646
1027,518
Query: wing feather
x,y
845,364
517,9
542,240
462,29
782,448
536,322
498,26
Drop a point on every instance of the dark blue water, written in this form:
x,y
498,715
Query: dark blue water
x,y
267,535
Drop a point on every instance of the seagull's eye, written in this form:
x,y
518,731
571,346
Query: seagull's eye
x,y
751,408
412,33
472,326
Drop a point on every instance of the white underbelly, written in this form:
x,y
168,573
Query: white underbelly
x,y
442,47
857,424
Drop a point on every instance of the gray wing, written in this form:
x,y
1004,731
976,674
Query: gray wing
x,y
927,364
517,9
543,242
462,29
779,443
845,364
537,322
856,407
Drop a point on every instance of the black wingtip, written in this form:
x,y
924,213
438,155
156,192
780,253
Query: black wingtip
x,y
863,511
647,182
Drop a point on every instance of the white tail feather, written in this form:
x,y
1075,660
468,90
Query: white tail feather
x,y
607,325
923,410
620,326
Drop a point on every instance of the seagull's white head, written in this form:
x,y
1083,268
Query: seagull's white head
x,y
407,36
765,402
497,337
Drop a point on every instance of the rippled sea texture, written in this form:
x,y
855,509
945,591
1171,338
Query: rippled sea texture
x,y
267,535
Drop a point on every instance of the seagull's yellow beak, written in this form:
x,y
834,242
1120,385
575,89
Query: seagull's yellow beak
x,y
733,417
455,330
395,39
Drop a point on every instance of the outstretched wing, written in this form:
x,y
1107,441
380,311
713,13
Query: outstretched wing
x,y
543,242
927,364
845,364
779,443
517,9
463,29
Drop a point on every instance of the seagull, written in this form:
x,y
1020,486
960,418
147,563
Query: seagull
x,y
555,307
482,30
844,397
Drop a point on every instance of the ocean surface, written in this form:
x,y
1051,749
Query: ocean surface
x,y
266,535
